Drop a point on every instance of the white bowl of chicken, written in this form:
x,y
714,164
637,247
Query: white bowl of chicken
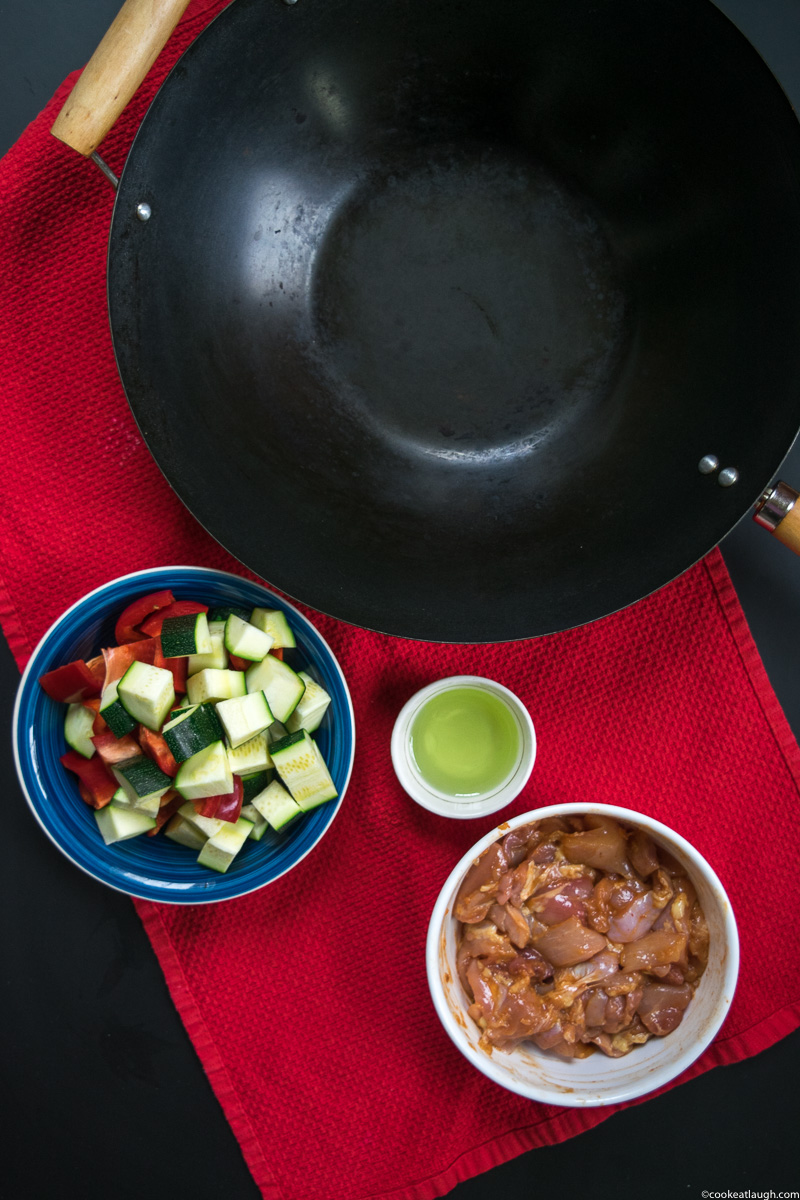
x,y
582,954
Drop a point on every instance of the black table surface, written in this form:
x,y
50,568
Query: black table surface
x,y
104,1096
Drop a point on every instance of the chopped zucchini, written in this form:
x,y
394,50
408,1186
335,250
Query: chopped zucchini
x,y
276,806
206,773
252,755
282,686
147,694
214,685
78,729
302,768
116,717
243,717
118,824
191,731
260,825
206,826
186,635
214,722
221,849
311,708
254,783
149,805
273,622
215,660
140,776
141,780
244,640
179,830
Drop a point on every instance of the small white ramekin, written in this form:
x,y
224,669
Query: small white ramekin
x,y
439,802
597,1080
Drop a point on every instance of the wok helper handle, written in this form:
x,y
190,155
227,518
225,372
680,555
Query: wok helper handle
x,y
778,512
135,38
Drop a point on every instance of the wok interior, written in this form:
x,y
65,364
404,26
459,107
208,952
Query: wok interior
x,y
441,305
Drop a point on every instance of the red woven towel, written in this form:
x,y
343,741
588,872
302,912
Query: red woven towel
x,y
307,1002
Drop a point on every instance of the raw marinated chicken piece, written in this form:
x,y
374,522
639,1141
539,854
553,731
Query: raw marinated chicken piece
x,y
569,942
519,843
477,893
578,934
603,847
662,1006
636,919
512,922
566,899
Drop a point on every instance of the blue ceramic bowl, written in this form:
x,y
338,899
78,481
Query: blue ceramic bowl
x,y
156,868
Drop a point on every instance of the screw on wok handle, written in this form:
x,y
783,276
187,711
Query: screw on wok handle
x,y
133,42
778,512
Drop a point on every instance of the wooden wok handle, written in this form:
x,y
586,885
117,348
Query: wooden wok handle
x,y
778,512
134,40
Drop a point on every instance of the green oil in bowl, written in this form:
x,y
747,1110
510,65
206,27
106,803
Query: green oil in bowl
x,y
465,742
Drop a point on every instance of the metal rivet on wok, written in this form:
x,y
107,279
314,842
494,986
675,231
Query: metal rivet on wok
x,y
144,212
708,464
728,476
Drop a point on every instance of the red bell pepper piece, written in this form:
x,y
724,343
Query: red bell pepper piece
x,y
113,749
277,652
119,658
179,608
85,794
156,748
98,782
224,808
178,666
171,801
97,666
125,630
71,683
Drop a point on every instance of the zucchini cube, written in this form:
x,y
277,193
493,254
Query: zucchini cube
x,y
78,725
244,717
140,779
213,685
119,824
260,825
252,755
311,707
215,660
147,694
182,636
149,805
245,641
191,731
299,762
274,622
115,715
179,830
276,806
206,773
254,782
221,849
282,686
205,826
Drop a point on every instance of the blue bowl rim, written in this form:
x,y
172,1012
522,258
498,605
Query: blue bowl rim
x,y
153,572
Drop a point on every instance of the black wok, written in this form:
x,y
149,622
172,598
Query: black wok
x,y
440,304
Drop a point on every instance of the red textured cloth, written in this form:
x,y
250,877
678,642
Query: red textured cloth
x,y
309,1016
